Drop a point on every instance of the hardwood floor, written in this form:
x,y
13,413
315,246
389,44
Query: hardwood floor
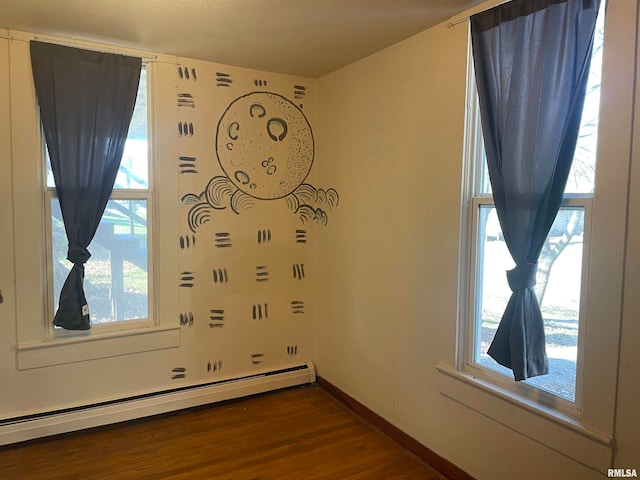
x,y
296,434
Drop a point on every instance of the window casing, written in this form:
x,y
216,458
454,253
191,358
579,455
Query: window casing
x,y
563,267
38,344
589,439
586,433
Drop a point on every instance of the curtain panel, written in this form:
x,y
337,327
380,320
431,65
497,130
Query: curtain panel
x,y
531,62
86,102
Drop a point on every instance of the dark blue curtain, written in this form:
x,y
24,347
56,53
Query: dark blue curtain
x,y
531,61
86,103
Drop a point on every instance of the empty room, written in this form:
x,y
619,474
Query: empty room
x,y
274,239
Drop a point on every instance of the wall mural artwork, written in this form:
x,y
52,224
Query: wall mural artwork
x,y
187,164
301,236
258,312
262,273
265,147
186,319
187,279
183,73
244,163
186,100
299,91
223,79
215,366
298,271
257,358
264,236
222,240
187,241
220,275
297,307
185,129
216,318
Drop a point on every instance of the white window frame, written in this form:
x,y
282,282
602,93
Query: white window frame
x,y
587,438
115,325
472,201
116,194
38,344
523,389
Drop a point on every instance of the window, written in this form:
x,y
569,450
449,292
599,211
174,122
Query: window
x,y
562,267
117,279
134,211
582,429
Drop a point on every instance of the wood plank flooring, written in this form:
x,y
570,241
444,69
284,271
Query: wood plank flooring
x,y
296,434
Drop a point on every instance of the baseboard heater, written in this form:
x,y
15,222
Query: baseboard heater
x,y
29,427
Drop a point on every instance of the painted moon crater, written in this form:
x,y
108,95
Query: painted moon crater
x,y
264,144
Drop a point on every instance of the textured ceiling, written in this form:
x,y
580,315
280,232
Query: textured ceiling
x,y
299,37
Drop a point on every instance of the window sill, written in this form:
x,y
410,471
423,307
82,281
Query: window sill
x,y
555,430
94,346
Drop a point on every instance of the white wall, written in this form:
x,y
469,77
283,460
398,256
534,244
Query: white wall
x,y
7,278
391,131
628,410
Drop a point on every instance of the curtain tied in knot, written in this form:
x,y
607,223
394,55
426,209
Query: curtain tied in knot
x,y
77,254
523,276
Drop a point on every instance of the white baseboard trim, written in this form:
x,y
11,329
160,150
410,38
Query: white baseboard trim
x,y
94,416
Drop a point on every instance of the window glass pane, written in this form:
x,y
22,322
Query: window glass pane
x,y
116,276
485,181
558,288
582,175
134,169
